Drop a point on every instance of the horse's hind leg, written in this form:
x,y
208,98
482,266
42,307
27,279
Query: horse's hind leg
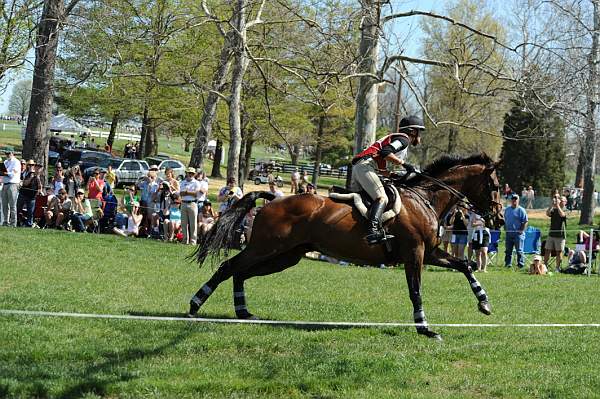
x,y
437,257
275,264
225,271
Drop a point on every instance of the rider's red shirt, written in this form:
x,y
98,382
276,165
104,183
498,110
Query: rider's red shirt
x,y
395,141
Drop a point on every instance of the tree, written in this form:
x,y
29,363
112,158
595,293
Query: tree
x,y
533,152
18,104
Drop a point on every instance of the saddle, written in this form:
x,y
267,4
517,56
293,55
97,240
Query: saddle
x,y
362,201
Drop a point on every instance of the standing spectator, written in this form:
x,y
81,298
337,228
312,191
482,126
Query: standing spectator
x,y
447,236
229,195
480,240
148,187
10,189
557,235
203,187
507,191
30,188
165,198
189,206
170,178
73,181
304,180
294,181
111,176
471,217
58,178
516,220
530,195
459,233
206,218
96,185
127,150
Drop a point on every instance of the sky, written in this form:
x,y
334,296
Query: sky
x,y
401,28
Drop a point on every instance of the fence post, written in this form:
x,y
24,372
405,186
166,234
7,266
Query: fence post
x,y
591,243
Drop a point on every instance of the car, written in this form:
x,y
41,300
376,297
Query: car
x,y
128,171
163,164
60,144
52,157
83,158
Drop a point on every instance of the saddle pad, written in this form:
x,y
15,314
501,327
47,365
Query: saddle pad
x,y
363,208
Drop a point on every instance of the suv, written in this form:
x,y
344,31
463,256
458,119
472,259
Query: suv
x,y
163,164
83,158
126,170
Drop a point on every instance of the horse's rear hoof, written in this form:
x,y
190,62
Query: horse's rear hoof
x,y
193,312
430,334
485,308
246,316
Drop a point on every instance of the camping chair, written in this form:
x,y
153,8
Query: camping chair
x,y
532,243
107,220
493,246
41,204
97,213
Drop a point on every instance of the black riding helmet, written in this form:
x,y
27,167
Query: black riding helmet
x,y
412,122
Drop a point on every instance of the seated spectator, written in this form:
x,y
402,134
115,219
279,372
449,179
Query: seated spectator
x,y
58,208
538,267
109,211
134,220
96,185
173,223
577,262
206,218
81,217
310,189
583,241
480,240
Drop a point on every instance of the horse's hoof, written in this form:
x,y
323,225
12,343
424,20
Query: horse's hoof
x,y
193,312
430,334
485,307
246,316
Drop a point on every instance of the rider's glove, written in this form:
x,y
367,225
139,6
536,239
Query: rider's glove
x,y
409,168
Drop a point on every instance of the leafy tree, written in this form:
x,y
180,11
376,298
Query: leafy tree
x,y
18,104
533,152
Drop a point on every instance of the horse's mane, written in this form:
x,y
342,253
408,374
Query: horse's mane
x,y
445,162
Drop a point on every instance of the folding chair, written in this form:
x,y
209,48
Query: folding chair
x,y
39,210
532,243
493,246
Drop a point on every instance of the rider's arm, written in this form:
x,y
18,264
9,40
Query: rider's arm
x,y
388,152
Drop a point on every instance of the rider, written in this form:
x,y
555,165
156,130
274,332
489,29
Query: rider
x,y
373,159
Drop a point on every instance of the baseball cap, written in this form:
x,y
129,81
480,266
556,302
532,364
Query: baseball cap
x,y
154,167
537,257
514,196
190,170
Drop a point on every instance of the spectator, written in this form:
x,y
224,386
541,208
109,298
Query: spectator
x,y
134,220
58,178
275,191
294,178
10,189
82,212
206,218
537,267
173,222
203,186
30,188
129,197
310,189
480,240
127,150
459,233
58,208
471,217
73,180
96,186
170,178
447,225
583,239
516,220
148,187
189,206
507,191
557,235
229,195
164,201
577,261
530,196
111,176
304,180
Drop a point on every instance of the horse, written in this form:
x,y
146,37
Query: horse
x,y
286,228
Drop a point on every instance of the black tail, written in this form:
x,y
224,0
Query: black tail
x,y
222,235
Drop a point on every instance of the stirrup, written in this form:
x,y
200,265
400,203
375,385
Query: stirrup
x,y
378,237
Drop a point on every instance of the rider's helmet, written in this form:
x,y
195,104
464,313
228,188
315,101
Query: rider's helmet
x,y
412,122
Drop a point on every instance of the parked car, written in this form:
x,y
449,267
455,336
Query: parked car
x,y
163,164
60,144
128,171
83,158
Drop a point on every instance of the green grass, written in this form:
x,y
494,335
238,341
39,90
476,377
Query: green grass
x,y
60,271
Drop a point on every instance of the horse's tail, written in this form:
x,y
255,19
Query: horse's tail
x,y
222,234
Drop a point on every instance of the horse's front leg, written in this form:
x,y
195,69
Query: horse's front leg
x,y
413,278
437,257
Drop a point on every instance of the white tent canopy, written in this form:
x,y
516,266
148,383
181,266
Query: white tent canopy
x,y
63,123
212,144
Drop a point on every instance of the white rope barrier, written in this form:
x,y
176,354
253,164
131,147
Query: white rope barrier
x,y
342,324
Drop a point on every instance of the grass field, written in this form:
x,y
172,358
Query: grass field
x,y
67,358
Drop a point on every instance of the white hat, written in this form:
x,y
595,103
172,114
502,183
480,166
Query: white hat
x,y
537,257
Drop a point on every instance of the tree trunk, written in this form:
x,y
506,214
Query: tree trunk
x,y
37,139
365,119
241,177
154,150
579,172
240,63
141,150
248,152
216,169
589,148
210,106
186,144
294,152
113,129
318,150
452,140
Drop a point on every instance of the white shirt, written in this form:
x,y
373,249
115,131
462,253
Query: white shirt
x,y
203,186
13,168
192,185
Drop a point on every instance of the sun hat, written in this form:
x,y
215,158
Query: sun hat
x,y
80,191
31,162
537,257
190,170
154,167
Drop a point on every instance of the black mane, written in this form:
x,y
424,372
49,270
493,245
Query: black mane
x,y
446,162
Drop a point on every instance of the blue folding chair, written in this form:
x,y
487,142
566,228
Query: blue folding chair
x,y
533,242
493,246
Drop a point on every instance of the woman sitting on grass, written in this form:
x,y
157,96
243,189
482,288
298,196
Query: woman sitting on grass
x,y
538,267
134,219
82,212
206,218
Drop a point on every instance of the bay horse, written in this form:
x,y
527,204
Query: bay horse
x,y
285,229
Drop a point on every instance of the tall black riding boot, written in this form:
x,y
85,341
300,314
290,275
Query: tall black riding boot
x,y
376,233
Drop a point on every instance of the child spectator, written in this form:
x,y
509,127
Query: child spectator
x,y
173,222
